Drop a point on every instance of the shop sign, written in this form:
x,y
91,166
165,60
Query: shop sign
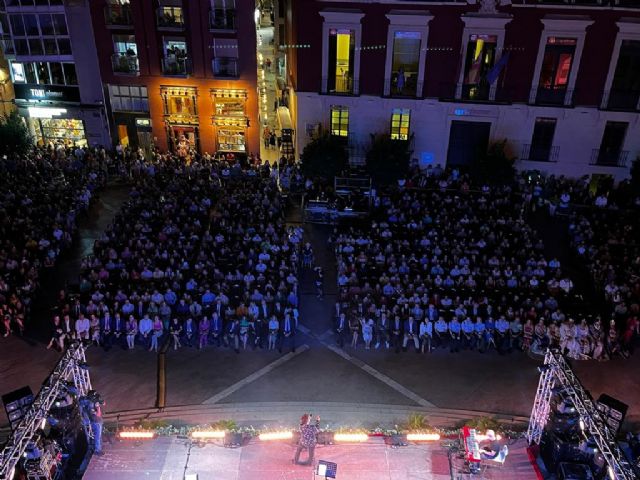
x,y
143,122
54,93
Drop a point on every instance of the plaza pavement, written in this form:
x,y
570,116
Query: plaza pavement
x,y
319,372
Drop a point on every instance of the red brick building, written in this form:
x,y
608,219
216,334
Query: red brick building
x,y
180,71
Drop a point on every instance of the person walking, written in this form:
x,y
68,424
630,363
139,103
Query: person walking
x,y
308,434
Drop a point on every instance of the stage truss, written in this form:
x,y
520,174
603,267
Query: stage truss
x,y
71,367
556,372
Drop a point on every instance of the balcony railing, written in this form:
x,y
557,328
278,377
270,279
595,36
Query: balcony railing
x,y
225,67
626,100
125,64
552,96
609,158
118,16
539,153
169,21
178,67
453,92
222,20
343,86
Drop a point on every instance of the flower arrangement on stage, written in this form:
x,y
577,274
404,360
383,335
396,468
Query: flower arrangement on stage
x,y
416,424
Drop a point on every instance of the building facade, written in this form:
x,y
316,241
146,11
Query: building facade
x,y
559,79
54,69
180,73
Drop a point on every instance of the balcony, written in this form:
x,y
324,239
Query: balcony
x,y
551,96
343,86
118,16
222,20
623,100
452,92
540,153
170,19
176,67
225,67
407,88
124,64
609,158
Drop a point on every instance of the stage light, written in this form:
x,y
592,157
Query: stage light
x,y
136,435
43,423
207,434
581,423
276,436
544,368
423,437
351,437
612,473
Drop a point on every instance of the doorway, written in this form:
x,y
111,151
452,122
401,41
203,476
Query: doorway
x,y
467,141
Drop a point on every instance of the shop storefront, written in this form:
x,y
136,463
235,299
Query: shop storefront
x,y
181,118
230,120
51,115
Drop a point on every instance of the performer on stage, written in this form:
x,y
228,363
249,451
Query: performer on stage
x,y
308,433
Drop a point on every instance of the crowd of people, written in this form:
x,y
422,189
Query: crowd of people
x,y
457,266
41,197
199,255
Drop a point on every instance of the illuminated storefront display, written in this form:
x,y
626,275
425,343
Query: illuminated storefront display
x,y
181,117
69,131
230,119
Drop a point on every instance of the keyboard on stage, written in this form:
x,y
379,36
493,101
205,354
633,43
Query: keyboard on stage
x,y
471,444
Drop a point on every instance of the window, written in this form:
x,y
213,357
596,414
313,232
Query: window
x,y
341,59
179,102
170,17
44,73
400,123
481,56
610,152
556,69
625,89
223,14
405,63
542,140
125,57
38,35
175,60
225,62
118,13
125,98
339,121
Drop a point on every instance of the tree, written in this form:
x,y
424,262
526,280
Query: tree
x,y
325,157
635,176
387,159
14,136
496,166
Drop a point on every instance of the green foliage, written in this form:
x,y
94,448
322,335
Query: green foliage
x,y
226,425
417,422
482,424
387,159
496,166
14,136
325,157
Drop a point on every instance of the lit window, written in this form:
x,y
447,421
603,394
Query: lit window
x,y
400,119
341,58
481,53
339,121
405,63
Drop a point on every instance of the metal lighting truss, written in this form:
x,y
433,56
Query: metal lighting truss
x,y
557,371
72,365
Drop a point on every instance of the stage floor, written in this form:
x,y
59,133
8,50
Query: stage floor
x,y
169,458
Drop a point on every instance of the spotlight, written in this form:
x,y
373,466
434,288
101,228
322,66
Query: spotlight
x,y
276,436
612,473
43,423
544,368
207,434
423,437
136,435
351,437
581,423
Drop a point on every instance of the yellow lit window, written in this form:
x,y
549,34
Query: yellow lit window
x,y
400,124
339,121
